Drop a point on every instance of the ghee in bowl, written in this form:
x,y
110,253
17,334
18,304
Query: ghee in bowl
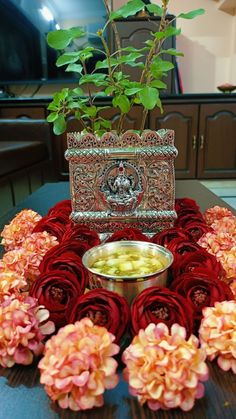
x,y
127,267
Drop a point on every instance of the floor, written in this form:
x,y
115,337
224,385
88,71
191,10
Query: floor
x,y
225,189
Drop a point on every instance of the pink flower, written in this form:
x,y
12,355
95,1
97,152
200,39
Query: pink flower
x,y
19,228
78,366
232,284
223,247
26,259
22,330
10,282
164,369
216,213
225,225
217,334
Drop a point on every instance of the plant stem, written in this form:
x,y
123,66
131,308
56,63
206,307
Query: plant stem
x,y
90,95
153,51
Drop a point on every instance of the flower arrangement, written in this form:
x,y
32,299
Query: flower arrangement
x,y
44,292
111,76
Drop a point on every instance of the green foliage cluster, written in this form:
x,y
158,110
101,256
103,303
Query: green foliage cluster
x,y
109,77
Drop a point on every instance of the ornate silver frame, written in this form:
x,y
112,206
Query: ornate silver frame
x,y
122,181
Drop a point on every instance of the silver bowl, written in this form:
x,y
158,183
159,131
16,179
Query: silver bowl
x,y
127,286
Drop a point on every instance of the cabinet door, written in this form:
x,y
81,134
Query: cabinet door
x,y
217,141
183,119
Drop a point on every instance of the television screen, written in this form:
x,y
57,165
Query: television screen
x,y
24,25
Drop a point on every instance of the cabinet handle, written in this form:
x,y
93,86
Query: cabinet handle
x,y
194,142
202,141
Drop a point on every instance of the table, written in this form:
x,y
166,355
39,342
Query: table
x,y
21,395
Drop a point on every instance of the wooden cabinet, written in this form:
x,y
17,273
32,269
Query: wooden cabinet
x,y
217,141
205,136
204,125
184,121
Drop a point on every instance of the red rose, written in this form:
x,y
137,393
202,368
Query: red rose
x,y
165,236
128,234
69,262
53,224
66,248
105,308
185,203
184,220
156,305
62,207
81,233
55,290
197,229
201,289
195,261
180,247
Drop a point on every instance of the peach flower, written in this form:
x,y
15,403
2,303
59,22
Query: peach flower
x,y
232,284
223,247
216,213
22,330
78,366
217,334
11,282
164,369
225,225
19,228
26,259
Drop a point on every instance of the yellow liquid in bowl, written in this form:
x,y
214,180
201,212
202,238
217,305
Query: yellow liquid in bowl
x,y
132,263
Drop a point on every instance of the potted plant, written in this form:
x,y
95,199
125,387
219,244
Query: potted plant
x,y
116,176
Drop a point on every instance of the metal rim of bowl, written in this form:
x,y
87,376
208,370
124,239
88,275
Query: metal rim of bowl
x,y
128,243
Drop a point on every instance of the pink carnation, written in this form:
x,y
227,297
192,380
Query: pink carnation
x,y
217,334
164,369
19,228
78,366
26,259
216,213
22,330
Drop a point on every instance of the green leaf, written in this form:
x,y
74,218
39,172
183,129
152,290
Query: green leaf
x,y
132,49
132,57
78,91
133,90
74,105
128,9
159,104
154,8
67,58
171,31
106,124
96,78
52,107
59,125
62,38
159,65
122,102
172,51
91,111
105,63
76,68
148,97
158,84
52,117
157,35
192,14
